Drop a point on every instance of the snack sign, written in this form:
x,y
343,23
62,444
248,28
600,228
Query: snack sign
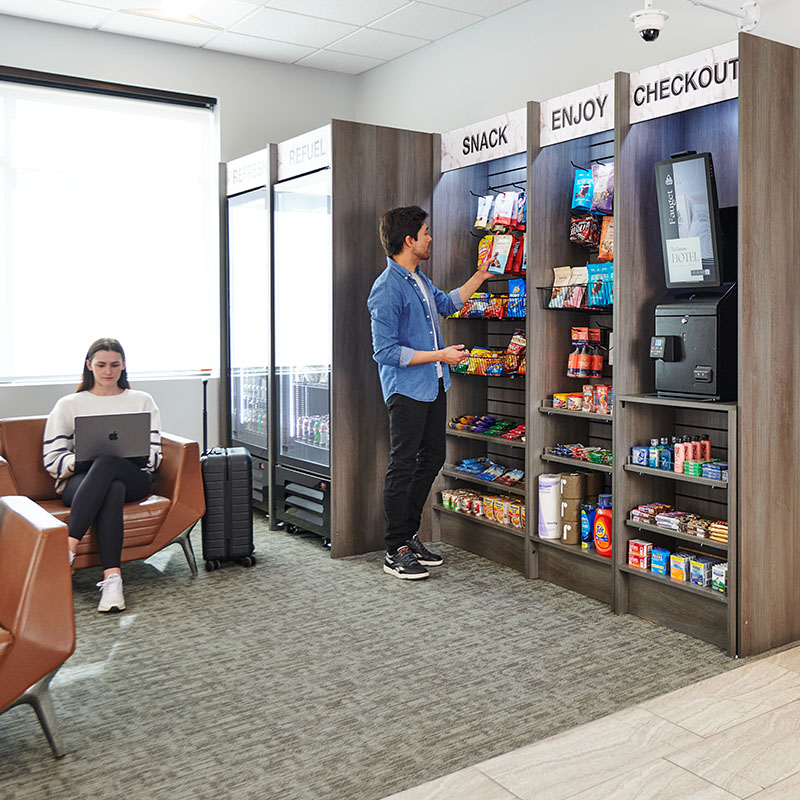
x,y
700,79
304,153
577,114
484,141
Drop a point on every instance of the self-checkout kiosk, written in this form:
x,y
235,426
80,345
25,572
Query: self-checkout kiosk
x,y
695,343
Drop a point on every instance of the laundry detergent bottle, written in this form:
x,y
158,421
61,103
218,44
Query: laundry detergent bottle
x,y
602,526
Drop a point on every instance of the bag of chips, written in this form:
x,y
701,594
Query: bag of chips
x,y
561,276
585,231
505,206
575,292
603,194
483,216
485,250
582,190
607,240
601,284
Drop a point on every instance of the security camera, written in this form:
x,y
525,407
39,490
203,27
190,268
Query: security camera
x,y
649,21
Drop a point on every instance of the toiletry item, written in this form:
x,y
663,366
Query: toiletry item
x,y
602,526
652,461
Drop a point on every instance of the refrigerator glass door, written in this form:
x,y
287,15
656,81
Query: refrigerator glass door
x,y
303,322
249,258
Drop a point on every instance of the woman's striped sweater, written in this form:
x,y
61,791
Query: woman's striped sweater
x,y
59,432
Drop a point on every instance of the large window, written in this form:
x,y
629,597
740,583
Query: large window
x,y
108,227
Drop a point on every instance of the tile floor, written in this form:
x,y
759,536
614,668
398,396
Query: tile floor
x,y
732,736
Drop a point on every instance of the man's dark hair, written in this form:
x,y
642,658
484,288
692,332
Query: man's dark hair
x,y
398,223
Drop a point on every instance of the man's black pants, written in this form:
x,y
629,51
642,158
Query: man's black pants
x,y
416,454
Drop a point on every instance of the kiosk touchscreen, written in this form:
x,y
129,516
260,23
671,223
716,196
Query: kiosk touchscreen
x,y
694,347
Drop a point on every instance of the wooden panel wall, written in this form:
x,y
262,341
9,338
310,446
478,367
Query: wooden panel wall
x,y
374,169
769,343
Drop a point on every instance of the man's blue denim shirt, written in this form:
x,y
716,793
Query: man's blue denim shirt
x,y
401,324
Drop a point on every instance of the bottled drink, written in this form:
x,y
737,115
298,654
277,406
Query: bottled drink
x,y
665,454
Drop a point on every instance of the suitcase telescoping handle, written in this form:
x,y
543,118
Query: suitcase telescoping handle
x,y
205,414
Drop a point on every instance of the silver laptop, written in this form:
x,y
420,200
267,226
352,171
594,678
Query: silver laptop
x,y
123,435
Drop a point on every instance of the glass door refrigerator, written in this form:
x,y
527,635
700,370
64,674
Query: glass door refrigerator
x,y
248,213
303,349
330,438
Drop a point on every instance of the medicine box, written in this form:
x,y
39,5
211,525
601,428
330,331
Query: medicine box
x,y
719,578
700,571
659,561
679,567
640,548
639,456
640,562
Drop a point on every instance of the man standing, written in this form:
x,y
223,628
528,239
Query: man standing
x,y
414,374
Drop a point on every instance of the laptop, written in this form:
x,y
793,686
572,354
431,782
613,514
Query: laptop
x,y
124,435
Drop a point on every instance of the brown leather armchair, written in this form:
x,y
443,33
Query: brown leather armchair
x,y
162,518
37,617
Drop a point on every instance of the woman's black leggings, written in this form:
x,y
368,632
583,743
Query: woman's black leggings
x,y
97,496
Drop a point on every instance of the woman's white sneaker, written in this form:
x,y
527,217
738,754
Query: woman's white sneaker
x,y
111,598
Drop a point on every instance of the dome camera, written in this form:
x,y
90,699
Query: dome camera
x,y
649,21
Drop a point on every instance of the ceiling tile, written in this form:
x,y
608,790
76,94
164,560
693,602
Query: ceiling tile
x,y
223,13
356,12
257,47
482,8
339,62
425,21
377,44
55,11
293,28
162,30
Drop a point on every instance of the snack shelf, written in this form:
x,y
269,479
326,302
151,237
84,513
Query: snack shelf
x,y
482,437
451,472
675,476
488,319
575,549
481,521
576,462
684,586
590,415
509,375
561,293
643,526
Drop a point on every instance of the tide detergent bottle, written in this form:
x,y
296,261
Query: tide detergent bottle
x,y
602,526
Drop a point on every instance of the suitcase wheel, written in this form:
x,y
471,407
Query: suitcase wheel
x,y
211,565
248,561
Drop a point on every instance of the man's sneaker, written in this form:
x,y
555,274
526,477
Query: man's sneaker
x,y
424,556
111,598
404,564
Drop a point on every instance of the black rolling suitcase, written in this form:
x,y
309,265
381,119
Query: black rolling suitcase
x,y
227,526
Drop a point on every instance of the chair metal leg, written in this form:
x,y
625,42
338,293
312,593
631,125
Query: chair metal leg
x,y
39,697
186,543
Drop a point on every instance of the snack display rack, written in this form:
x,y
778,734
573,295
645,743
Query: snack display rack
x,y
495,386
551,320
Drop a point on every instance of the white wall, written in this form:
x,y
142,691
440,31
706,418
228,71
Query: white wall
x,y
542,49
259,101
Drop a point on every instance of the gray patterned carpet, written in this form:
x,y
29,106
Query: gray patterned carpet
x,y
315,679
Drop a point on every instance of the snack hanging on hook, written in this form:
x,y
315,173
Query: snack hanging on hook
x,y
607,240
603,195
582,190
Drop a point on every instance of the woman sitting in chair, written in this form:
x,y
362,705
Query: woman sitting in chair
x,y
97,495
